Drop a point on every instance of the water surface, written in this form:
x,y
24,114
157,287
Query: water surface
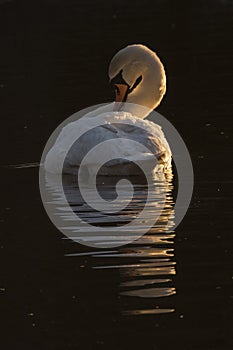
x,y
167,290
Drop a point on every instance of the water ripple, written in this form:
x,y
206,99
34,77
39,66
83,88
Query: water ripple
x,y
146,267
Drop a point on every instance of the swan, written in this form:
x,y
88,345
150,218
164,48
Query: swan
x,y
139,80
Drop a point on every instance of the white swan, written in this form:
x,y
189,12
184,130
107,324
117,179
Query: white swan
x,y
139,79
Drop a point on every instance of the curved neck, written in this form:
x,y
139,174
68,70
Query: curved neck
x,y
150,91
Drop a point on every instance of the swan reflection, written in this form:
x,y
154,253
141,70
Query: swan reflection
x,y
146,266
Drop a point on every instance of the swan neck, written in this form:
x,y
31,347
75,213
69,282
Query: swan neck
x,y
150,91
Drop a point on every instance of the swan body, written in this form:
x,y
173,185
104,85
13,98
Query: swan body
x,y
140,82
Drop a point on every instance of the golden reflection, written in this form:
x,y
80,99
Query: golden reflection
x,y
152,278
150,292
147,312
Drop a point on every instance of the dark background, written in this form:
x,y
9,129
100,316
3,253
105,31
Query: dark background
x,y
53,61
55,55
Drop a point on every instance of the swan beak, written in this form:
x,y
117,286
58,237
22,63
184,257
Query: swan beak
x,y
121,91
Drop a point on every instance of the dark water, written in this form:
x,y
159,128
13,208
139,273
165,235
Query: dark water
x,y
168,290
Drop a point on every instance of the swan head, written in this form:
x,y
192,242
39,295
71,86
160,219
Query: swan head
x,y
138,77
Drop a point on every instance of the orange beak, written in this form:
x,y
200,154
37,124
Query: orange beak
x,y
121,91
